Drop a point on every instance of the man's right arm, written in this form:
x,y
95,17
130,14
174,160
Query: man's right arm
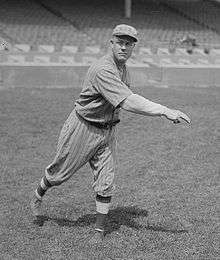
x,y
140,105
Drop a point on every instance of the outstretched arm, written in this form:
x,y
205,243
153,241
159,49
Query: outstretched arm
x,y
140,105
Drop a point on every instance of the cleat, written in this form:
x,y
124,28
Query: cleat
x,y
39,220
36,206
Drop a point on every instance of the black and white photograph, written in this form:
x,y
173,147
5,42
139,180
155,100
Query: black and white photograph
x,y
110,130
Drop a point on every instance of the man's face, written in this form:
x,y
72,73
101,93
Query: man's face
x,y
122,47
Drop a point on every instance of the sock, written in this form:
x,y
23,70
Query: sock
x,y
100,222
102,208
42,188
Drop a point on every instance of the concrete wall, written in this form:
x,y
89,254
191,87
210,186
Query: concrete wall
x,y
55,76
72,76
42,76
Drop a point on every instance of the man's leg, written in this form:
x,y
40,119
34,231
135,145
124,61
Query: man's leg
x,y
38,195
76,145
102,208
103,166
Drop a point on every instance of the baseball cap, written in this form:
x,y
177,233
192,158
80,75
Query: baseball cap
x,y
124,29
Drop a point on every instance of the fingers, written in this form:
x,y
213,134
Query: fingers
x,y
176,116
176,121
185,118
181,116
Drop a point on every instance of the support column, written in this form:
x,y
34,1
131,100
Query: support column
x,y
128,8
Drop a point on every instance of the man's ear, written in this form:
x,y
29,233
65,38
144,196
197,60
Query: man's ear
x,y
111,43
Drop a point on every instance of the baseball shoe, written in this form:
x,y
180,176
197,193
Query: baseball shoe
x,y
36,204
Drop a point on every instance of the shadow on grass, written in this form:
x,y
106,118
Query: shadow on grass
x,y
125,216
120,216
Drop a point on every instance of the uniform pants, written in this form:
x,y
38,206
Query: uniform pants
x,y
79,143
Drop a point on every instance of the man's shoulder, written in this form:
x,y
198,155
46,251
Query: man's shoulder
x,y
103,64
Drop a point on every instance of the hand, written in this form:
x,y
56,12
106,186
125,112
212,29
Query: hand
x,y
176,116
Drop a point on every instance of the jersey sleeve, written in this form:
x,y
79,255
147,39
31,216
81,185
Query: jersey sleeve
x,y
128,78
111,87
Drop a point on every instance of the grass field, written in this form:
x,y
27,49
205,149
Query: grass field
x,y
166,204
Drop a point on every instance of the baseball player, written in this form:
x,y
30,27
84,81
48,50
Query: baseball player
x,y
89,133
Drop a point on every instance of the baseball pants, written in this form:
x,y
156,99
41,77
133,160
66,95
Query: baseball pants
x,y
79,143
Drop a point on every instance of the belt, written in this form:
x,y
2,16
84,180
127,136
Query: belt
x,y
106,125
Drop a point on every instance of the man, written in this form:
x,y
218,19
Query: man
x,y
89,133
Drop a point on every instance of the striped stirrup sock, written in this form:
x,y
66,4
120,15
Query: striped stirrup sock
x,y
102,208
42,187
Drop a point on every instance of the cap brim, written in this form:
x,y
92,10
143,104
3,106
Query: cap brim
x,y
122,34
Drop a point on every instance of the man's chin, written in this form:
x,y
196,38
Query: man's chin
x,y
122,58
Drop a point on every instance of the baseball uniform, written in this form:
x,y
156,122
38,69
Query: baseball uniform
x,y
89,133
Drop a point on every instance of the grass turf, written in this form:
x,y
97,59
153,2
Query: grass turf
x,y
166,201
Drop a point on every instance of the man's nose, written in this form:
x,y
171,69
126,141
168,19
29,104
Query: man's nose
x,y
123,46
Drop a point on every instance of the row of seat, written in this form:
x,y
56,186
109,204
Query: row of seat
x,y
79,23
45,48
153,19
26,21
164,59
206,13
155,48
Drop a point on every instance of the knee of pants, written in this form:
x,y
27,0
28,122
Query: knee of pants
x,y
104,187
55,176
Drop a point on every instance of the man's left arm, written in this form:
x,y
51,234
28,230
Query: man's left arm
x,y
139,105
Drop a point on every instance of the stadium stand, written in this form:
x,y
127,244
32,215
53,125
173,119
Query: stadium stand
x,y
89,23
204,13
48,40
157,21
28,22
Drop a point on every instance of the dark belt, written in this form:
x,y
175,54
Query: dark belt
x,y
106,125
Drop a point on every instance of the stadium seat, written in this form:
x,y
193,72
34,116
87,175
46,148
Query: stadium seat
x,y
69,49
184,61
163,51
147,60
216,52
166,61
46,48
143,50
92,49
21,48
203,61
41,59
66,59
16,59
181,51
88,59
